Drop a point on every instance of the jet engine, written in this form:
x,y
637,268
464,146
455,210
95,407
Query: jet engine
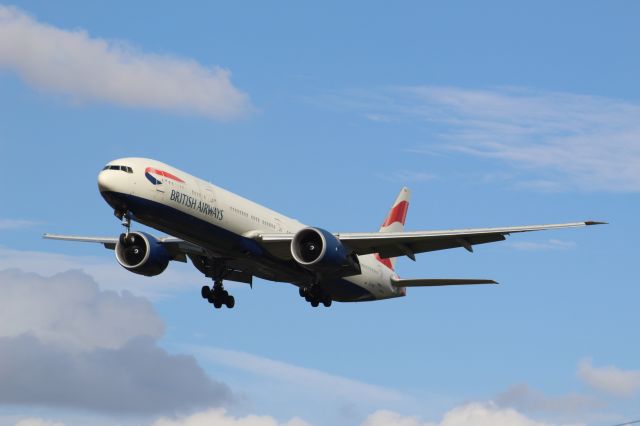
x,y
320,251
142,254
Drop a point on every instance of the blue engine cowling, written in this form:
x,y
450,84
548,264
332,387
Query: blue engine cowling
x,y
319,250
142,254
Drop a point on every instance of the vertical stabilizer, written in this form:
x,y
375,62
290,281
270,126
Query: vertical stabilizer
x,y
394,222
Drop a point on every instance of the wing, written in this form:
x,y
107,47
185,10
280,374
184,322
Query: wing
x,y
435,282
178,248
392,244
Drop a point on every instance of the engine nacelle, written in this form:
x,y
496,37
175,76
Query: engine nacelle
x,y
142,254
319,250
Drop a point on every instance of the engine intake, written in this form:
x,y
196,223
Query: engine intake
x,y
142,254
319,250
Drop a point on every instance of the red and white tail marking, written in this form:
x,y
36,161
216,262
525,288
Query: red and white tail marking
x,y
394,221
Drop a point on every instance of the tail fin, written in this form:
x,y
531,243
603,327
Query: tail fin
x,y
394,221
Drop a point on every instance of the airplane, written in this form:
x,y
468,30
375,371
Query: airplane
x,y
228,237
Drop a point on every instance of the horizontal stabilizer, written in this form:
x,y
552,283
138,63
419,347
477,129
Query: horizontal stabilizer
x,y
435,282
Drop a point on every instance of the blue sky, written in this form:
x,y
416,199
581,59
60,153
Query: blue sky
x,y
493,114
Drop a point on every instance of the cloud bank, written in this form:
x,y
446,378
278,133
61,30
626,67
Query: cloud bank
x,y
65,343
219,417
477,414
93,69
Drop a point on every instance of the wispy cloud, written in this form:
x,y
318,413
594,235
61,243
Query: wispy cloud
x,y
557,140
88,68
551,244
301,377
6,224
408,176
609,379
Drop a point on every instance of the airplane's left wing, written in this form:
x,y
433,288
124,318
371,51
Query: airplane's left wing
x,y
392,244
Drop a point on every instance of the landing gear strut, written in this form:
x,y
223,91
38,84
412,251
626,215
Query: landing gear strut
x,y
125,218
315,295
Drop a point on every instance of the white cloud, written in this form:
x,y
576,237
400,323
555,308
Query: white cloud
x,y
555,141
6,224
219,417
35,421
609,379
87,68
301,377
476,414
391,418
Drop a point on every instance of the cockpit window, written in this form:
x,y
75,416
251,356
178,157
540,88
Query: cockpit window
x,y
122,168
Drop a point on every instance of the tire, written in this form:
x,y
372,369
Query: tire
x,y
315,303
205,292
230,302
302,291
217,304
326,302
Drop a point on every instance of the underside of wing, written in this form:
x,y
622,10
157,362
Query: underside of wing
x,y
392,244
108,242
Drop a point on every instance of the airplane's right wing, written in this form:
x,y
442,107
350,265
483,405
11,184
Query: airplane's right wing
x,y
177,247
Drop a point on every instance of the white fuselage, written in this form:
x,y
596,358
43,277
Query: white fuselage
x,y
222,222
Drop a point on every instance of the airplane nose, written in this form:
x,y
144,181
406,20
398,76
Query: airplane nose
x,y
103,182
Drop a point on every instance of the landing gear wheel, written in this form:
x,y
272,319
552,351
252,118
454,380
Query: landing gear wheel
x,y
217,303
326,302
230,302
315,303
205,292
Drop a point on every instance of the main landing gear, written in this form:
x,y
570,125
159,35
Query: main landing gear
x,y
315,296
217,295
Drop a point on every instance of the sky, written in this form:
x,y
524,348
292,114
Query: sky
x,y
493,113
